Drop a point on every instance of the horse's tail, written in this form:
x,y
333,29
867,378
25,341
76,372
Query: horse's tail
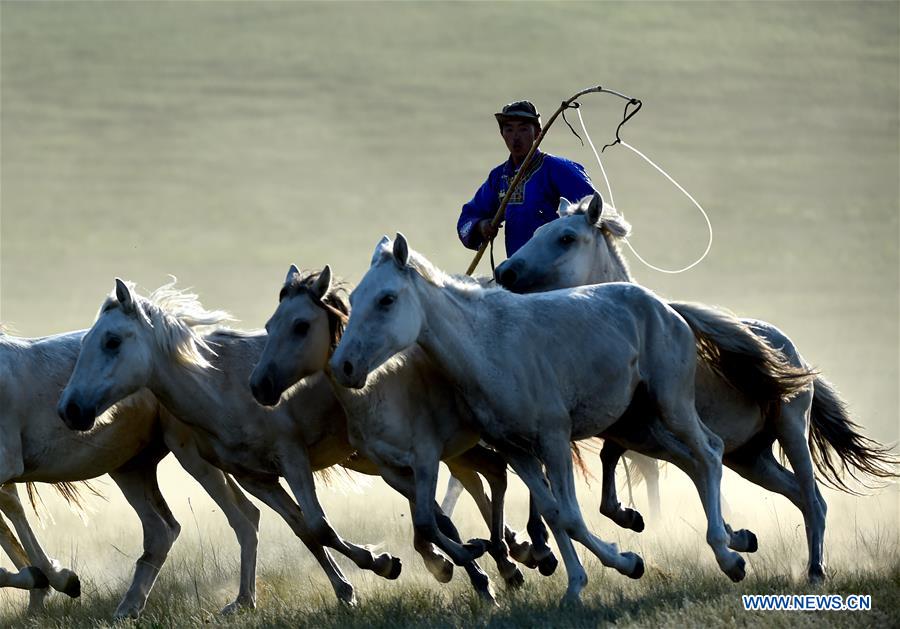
x,y
70,492
838,447
743,359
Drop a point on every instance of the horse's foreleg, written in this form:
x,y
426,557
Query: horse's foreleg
x,y
28,577
242,515
542,556
425,478
273,495
60,579
610,506
454,489
493,467
298,473
438,565
529,470
139,486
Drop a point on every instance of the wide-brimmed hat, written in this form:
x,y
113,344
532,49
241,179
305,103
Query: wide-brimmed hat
x,y
519,110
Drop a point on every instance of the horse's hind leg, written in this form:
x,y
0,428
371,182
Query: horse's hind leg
x,y
60,579
139,486
610,506
791,431
272,494
762,469
493,467
706,449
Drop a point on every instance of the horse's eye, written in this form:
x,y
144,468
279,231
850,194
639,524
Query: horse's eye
x,y
112,343
301,328
386,301
566,240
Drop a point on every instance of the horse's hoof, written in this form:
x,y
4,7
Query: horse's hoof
x,y
752,542
72,587
816,575
477,547
743,541
444,573
238,605
547,565
347,596
515,579
394,569
521,553
38,577
127,613
571,601
636,523
638,571
486,594
738,570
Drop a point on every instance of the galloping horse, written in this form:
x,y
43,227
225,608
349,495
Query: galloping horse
x,y
406,421
154,343
581,248
127,443
608,345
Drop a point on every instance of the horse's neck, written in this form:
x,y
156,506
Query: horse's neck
x,y
187,392
610,266
451,334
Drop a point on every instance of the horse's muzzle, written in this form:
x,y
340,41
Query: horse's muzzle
x,y
75,416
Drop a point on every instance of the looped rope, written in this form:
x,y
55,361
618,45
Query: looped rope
x,y
625,118
666,175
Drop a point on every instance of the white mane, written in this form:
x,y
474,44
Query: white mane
x,y
177,320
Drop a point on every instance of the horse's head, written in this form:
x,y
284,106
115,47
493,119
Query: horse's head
x,y
302,333
114,361
386,315
576,249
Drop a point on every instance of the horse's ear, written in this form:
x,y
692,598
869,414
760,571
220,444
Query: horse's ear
x,y
564,205
124,296
594,209
292,273
322,284
383,244
401,250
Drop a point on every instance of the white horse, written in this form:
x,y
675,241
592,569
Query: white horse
x,y
127,443
581,248
406,421
154,343
540,371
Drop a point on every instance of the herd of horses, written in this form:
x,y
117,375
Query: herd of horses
x,y
416,367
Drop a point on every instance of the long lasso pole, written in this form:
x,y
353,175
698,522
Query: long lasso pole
x,y
566,104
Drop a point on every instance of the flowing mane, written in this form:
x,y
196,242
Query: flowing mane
x,y
177,320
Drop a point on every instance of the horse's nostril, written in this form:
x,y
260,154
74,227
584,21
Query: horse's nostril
x,y
73,411
348,368
507,277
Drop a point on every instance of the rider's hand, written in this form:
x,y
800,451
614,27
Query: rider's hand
x,y
484,228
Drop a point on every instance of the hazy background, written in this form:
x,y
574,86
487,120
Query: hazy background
x,y
220,142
